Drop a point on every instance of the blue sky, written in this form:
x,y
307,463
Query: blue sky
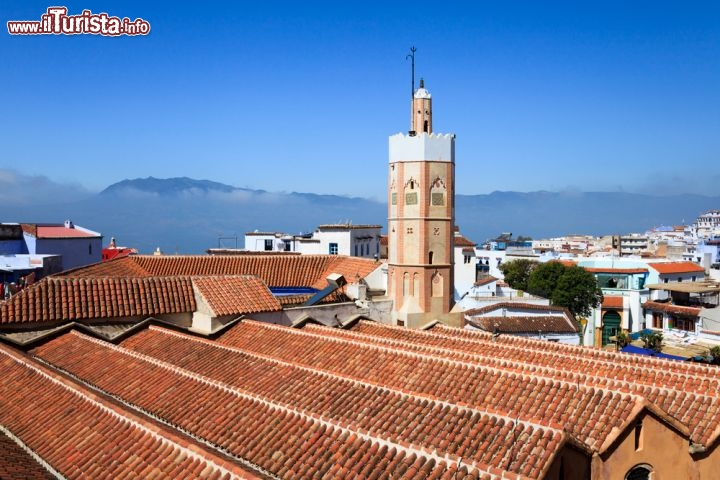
x,y
301,96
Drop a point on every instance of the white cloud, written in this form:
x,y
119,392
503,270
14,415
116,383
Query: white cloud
x,y
17,189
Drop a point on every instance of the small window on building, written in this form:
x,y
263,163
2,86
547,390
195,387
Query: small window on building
x,y
638,435
268,245
356,250
430,257
90,249
694,278
333,249
666,280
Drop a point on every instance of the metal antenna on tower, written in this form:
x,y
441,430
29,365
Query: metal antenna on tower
x,y
411,56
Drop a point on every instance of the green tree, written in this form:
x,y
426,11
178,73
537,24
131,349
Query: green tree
x,y
544,278
517,272
652,341
578,291
622,338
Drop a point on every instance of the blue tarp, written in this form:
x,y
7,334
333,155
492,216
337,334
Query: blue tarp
x,y
651,353
637,335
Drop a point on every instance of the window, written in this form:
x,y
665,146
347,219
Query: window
x,y
333,249
356,250
268,245
430,257
90,249
641,472
638,435
685,324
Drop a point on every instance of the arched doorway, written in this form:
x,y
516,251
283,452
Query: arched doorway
x,y
611,326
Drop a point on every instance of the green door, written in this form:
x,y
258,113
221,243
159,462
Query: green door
x,y
611,326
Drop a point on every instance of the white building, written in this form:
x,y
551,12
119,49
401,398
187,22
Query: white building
x,y
334,239
541,322
707,225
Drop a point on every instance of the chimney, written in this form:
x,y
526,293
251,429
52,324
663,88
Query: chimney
x,y
69,224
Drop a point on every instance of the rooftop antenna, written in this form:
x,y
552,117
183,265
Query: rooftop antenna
x,y
411,56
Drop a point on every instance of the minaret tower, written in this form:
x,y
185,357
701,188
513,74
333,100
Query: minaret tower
x,y
421,217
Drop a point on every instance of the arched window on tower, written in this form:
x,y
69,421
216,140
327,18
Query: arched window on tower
x,y
430,257
437,285
411,195
425,126
438,192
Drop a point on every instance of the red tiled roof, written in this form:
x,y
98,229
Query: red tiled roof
x,y
274,270
485,281
460,241
673,309
289,421
676,267
439,373
526,324
79,433
16,463
332,403
612,301
56,231
67,299
228,295
670,385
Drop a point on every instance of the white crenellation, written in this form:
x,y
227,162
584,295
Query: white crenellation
x,y
433,147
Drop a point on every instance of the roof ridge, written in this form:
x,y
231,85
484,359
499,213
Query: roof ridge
x,y
587,352
544,353
340,376
497,370
543,368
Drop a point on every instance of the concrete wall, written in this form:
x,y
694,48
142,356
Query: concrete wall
x,y
76,252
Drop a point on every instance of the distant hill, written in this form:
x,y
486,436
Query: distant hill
x,y
168,186
188,216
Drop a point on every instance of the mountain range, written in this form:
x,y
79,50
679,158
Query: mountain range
x,y
184,215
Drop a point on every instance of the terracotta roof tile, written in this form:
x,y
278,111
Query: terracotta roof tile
x,y
61,299
57,419
17,463
670,308
460,241
676,267
612,301
526,324
233,295
485,281
289,421
273,270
